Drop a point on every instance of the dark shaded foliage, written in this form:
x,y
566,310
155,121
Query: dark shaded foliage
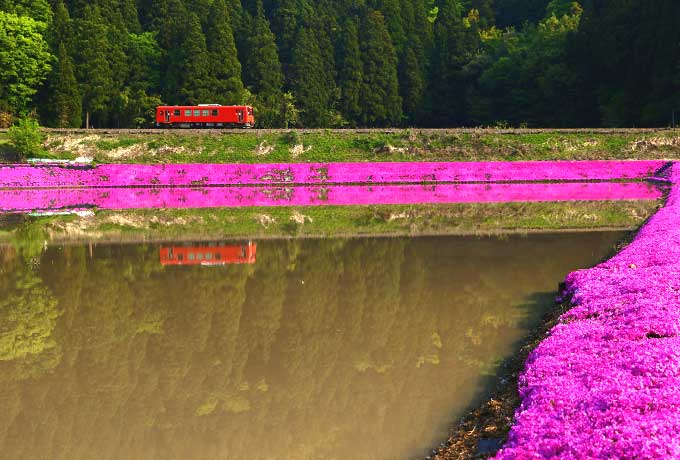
x,y
543,63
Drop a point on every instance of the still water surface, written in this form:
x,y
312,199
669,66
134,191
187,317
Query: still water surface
x,y
333,349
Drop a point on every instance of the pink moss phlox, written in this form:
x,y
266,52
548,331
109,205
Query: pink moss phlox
x,y
131,175
605,383
27,200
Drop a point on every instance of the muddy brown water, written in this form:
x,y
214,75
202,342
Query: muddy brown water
x,y
320,349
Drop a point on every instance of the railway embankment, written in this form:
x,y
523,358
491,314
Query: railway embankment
x,y
357,145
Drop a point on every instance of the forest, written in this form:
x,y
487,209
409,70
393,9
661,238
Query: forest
x,y
344,63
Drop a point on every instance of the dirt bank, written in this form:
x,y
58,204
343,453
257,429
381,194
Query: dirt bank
x,y
267,146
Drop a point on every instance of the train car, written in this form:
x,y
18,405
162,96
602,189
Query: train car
x,y
209,254
205,116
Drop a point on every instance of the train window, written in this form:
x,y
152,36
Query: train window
x,y
197,113
208,256
199,256
177,112
206,113
187,113
191,256
215,113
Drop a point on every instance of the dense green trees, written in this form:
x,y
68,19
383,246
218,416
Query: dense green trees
x,y
338,63
263,75
64,103
454,44
37,9
351,76
225,69
195,69
24,60
516,12
60,102
309,80
94,70
630,56
379,95
527,79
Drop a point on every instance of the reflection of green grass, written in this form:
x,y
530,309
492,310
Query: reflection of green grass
x,y
339,221
407,145
109,227
29,237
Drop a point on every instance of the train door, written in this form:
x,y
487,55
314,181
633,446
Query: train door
x,y
239,115
167,116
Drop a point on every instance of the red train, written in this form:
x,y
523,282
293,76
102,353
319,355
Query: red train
x,y
209,254
205,116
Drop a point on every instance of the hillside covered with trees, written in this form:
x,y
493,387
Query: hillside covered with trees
x,y
337,63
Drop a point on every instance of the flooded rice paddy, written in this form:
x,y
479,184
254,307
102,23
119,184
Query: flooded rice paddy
x,y
366,348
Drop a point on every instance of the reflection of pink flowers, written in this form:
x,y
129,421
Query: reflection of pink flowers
x,y
26,200
606,382
122,175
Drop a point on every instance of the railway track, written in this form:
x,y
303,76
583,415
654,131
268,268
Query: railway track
x,y
423,131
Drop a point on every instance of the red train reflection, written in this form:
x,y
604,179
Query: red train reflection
x,y
209,254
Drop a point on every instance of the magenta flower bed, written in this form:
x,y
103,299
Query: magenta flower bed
x,y
605,383
27,200
124,175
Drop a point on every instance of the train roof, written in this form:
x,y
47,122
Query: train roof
x,y
202,105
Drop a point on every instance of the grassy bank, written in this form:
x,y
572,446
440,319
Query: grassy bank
x,y
253,223
333,146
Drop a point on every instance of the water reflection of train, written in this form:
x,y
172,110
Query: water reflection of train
x,y
209,254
